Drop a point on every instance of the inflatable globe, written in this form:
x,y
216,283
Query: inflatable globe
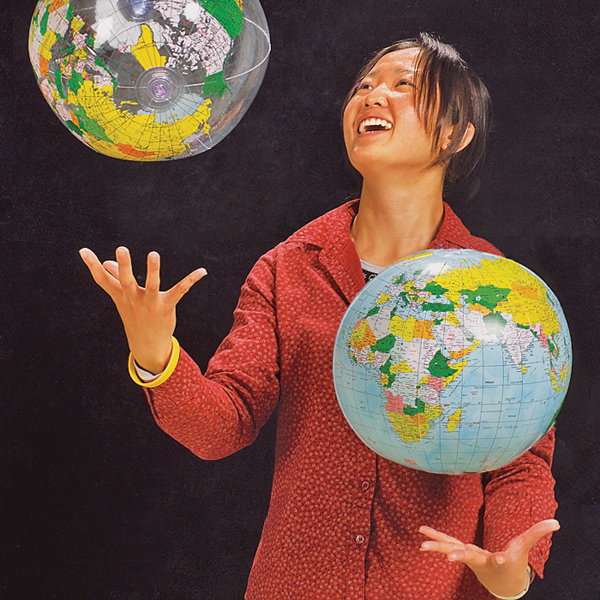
x,y
149,80
452,361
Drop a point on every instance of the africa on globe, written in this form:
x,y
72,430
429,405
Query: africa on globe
x,y
452,361
149,80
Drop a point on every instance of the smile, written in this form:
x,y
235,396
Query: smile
x,y
374,124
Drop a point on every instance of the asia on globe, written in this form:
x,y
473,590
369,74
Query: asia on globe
x,y
452,361
149,80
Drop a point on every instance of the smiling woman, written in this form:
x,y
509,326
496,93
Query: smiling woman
x,y
344,522
446,91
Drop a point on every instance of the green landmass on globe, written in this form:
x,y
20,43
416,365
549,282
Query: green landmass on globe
x,y
471,356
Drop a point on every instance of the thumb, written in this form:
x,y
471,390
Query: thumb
x,y
534,534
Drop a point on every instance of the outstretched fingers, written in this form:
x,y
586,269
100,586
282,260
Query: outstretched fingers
x,y
104,277
153,273
176,293
128,282
116,278
454,549
533,535
438,536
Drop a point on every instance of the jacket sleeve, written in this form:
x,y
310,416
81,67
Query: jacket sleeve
x,y
218,413
518,496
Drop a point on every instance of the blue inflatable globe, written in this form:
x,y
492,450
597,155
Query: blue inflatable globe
x,y
452,361
149,80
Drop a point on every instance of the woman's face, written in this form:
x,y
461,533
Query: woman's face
x,y
382,129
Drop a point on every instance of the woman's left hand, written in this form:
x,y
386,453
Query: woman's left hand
x,y
502,573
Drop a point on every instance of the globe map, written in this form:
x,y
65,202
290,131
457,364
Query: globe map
x,y
452,361
149,80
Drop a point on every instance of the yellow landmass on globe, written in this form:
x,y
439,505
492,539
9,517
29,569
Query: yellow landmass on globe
x,y
454,420
452,319
77,24
460,353
563,377
527,291
459,366
527,301
401,367
414,428
146,51
362,336
484,310
132,136
45,51
383,298
411,328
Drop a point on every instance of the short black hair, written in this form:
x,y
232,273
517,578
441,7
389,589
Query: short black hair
x,y
447,91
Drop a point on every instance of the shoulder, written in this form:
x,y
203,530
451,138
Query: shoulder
x,y
329,231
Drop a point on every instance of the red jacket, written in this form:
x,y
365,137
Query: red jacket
x,y
343,522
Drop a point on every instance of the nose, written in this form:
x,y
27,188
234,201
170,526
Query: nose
x,y
378,96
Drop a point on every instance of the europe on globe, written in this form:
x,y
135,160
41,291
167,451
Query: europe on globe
x,y
149,80
452,361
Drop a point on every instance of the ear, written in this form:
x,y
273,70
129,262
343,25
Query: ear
x,y
466,140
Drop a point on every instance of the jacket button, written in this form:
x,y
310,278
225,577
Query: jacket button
x,y
365,485
360,539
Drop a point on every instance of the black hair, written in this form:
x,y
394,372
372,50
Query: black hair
x,y
447,92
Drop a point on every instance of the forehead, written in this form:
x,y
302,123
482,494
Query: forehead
x,y
399,60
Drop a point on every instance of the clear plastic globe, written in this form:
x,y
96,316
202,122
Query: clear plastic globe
x,y
149,80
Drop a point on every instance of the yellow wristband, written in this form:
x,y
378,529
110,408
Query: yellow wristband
x,y
164,375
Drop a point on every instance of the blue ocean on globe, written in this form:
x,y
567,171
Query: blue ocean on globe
x,y
453,361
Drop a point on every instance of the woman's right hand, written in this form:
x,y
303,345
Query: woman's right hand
x,y
147,313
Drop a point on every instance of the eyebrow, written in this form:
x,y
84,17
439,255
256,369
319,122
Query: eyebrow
x,y
375,72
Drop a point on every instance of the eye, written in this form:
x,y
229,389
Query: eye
x,y
364,86
404,82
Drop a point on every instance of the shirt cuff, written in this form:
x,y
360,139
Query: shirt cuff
x,y
149,380
144,375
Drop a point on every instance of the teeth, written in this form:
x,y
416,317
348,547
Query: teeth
x,y
374,122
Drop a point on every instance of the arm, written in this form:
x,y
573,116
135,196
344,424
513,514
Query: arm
x,y
217,414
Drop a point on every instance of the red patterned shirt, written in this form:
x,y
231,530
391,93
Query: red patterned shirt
x,y
343,522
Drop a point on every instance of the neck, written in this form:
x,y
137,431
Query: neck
x,y
398,219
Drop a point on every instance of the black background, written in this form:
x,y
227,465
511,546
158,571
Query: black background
x,y
97,502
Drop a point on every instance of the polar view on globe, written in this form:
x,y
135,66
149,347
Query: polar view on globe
x,y
452,361
149,80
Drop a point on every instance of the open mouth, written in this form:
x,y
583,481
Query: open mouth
x,y
374,124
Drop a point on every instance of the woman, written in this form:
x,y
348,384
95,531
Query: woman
x,y
343,522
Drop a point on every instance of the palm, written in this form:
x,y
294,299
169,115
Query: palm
x,y
148,314
502,573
